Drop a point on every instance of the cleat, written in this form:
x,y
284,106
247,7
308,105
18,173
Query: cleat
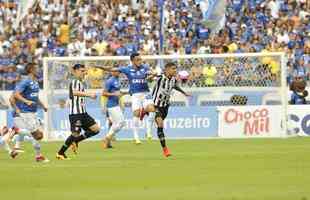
x,y
18,150
149,137
142,114
61,157
166,152
137,142
42,159
13,154
74,147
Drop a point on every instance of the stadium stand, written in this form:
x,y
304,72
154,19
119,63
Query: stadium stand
x,y
121,27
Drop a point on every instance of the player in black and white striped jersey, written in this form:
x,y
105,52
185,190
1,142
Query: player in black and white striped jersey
x,y
77,103
161,97
79,118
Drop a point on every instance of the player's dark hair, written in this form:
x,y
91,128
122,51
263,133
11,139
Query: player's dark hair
x,y
225,49
132,56
29,67
170,64
78,66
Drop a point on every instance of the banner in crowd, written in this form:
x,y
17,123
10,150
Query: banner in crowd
x,y
182,122
250,121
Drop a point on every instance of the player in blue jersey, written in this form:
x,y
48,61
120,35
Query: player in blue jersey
x,y
21,134
138,74
113,93
27,101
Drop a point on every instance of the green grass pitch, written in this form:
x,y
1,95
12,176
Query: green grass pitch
x,y
254,169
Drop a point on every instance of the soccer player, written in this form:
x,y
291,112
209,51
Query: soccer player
x,y
138,74
26,103
79,118
161,98
112,91
6,135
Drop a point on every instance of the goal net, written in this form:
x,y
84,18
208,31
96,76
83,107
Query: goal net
x,y
233,95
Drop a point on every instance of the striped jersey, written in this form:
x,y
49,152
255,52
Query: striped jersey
x,y
162,90
77,104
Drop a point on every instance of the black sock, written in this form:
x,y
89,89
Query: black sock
x,y
161,137
67,144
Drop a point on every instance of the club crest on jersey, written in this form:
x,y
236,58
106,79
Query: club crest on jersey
x,y
78,123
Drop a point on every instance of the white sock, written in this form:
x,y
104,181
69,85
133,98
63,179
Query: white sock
x,y
37,147
17,139
149,124
115,128
136,122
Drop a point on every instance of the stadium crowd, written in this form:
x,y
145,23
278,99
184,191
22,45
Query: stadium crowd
x,y
121,27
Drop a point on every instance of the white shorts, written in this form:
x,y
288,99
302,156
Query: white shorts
x,y
141,100
28,121
116,115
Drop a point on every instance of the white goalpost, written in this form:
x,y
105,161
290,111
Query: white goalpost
x,y
232,93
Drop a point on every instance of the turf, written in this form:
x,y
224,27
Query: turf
x,y
256,169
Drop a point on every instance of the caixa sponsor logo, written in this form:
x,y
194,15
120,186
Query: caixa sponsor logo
x,y
254,122
299,123
138,81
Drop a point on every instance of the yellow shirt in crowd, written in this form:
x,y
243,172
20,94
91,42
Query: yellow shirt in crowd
x,y
64,33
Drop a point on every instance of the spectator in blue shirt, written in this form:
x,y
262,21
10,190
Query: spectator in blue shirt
x,y
11,77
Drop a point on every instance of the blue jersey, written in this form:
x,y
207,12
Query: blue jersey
x,y
29,89
297,99
137,78
112,85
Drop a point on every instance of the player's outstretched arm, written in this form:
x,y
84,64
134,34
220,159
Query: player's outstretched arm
x,y
117,93
19,97
84,94
177,88
105,68
151,75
